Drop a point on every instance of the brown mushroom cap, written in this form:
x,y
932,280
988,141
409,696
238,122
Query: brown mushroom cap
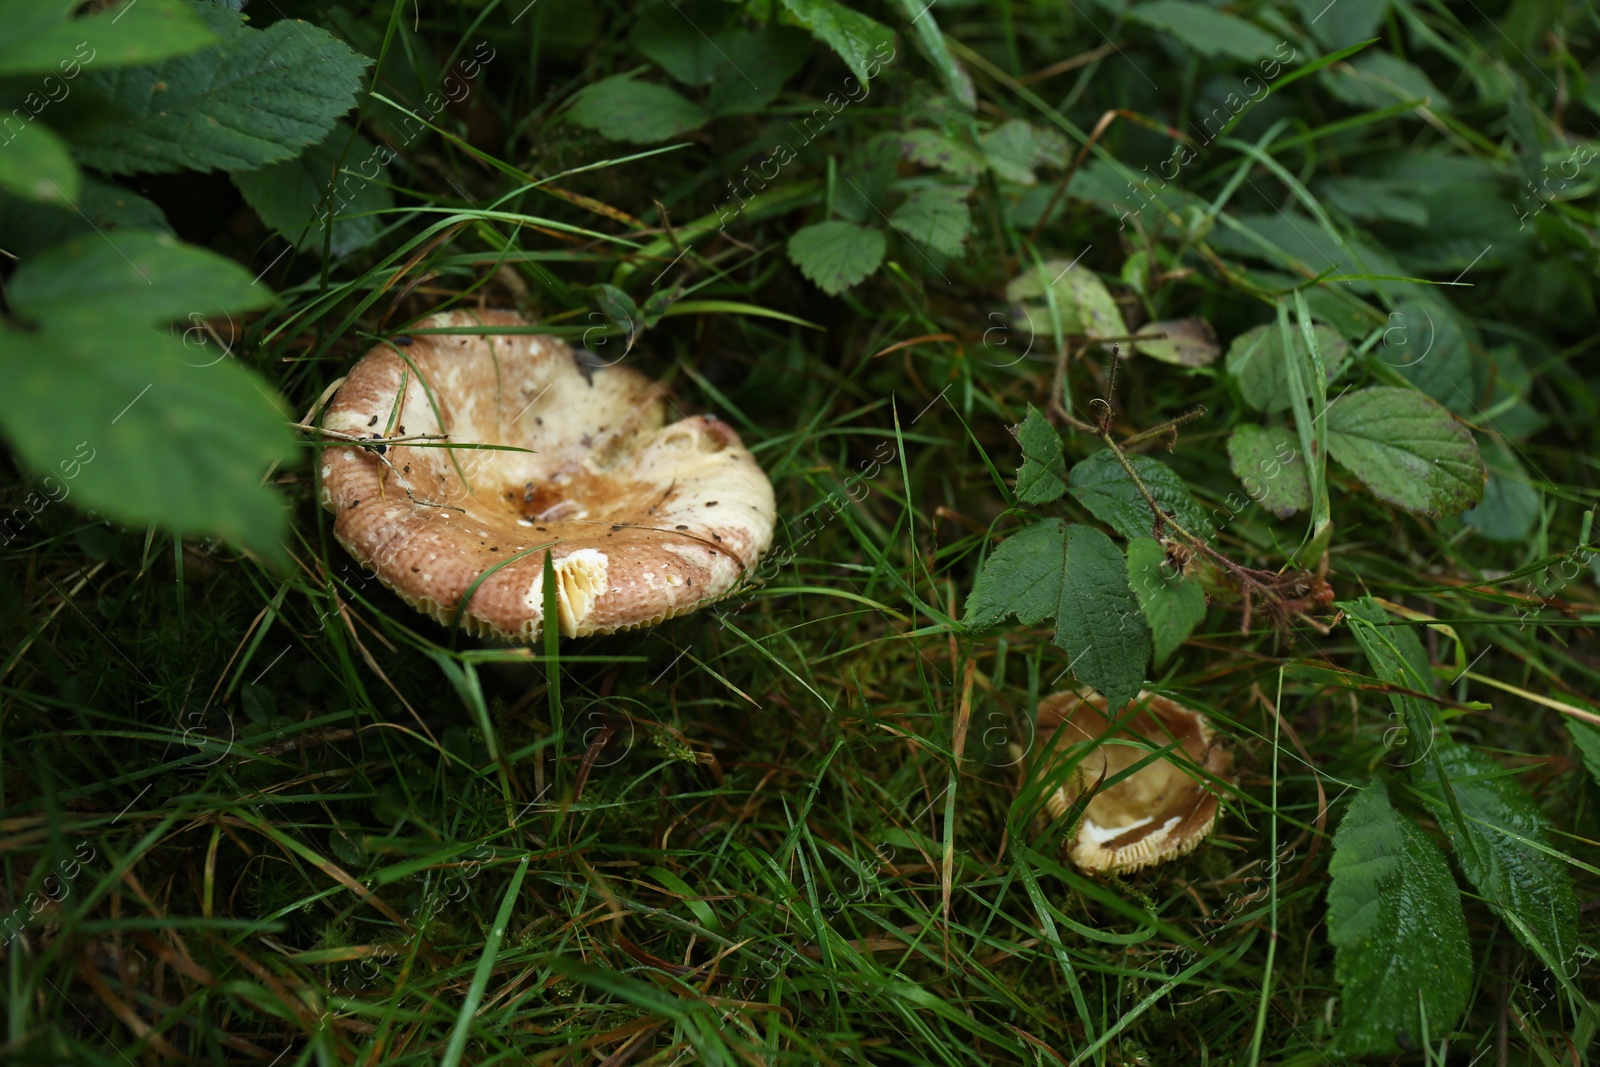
x,y
1157,813
645,519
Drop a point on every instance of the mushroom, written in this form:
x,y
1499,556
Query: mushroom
x,y
1157,813
644,520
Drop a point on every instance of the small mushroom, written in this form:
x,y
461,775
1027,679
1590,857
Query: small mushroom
x,y
599,480
1155,814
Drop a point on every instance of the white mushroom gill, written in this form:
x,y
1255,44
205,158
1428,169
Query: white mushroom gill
x,y
580,581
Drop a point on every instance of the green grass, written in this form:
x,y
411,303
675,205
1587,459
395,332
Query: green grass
x,y
792,830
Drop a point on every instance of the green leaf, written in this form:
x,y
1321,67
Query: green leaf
x,y
1356,20
259,97
837,254
1500,845
759,62
1374,199
1408,450
140,279
1084,304
292,197
1587,738
35,164
1077,575
685,38
1188,342
1094,591
1173,604
933,149
1100,484
865,177
37,38
1266,460
1043,474
1256,362
166,430
864,44
1206,31
936,216
1395,921
638,112
1015,148
1022,577
1378,79
102,208
1510,506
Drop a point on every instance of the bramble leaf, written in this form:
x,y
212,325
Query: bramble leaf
x,y
258,97
175,433
1100,484
936,216
1043,474
1395,921
836,254
625,109
1207,31
1408,450
1173,604
1256,362
1256,454
1077,575
42,38
863,43
1500,844
292,197
1081,299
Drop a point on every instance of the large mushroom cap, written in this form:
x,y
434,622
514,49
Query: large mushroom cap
x,y
1159,812
644,519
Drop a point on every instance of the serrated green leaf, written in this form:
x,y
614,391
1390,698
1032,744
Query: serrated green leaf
x,y
930,148
685,38
1082,300
141,279
1378,79
865,177
1186,342
1510,506
1022,577
1587,738
1100,484
864,44
1395,921
1374,199
936,216
35,164
1256,362
1014,148
1266,460
40,38
292,197
175,434
1499,844
1098,622
102,208
1173,604
625,109
1205,30
258,97
759,62
1043,474
1077,575
1408,450
837,254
